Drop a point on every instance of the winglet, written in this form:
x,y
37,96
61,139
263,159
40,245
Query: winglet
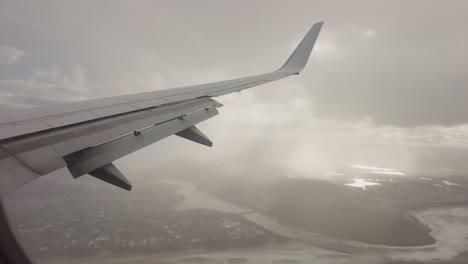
x,y
298,59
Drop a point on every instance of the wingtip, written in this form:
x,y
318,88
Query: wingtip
x,y
298,59
317,24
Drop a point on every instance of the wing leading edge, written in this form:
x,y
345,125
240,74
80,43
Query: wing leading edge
x,y
87,136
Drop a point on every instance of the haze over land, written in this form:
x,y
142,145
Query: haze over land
x,y
179,216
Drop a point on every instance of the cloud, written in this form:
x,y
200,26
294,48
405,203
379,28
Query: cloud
x,y
10,55
402,78
370,33
44,87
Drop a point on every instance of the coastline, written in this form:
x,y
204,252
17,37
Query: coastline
x,y
305,245
438,219
105,258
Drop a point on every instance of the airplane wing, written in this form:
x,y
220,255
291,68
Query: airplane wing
x,y
86,137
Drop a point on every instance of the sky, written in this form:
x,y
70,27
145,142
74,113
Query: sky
x,y
385,86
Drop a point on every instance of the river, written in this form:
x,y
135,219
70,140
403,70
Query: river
x,y
449,227
197,199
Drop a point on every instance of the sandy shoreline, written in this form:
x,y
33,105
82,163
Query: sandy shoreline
x,y
448,225
107,258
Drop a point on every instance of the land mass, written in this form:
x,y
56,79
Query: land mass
x,y
53,219
378,215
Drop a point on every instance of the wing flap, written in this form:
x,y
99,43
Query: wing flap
x,y
102,141
149,103
89,159
14,173
70,119
25,128
44,151
114,110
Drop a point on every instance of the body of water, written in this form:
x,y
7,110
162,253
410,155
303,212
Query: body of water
x,y
362,183
449,227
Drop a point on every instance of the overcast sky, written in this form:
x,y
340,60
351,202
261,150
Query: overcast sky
x,y
386,85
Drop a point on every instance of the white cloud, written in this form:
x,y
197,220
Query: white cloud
x,y
45,87
10,55
370,33
325,48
